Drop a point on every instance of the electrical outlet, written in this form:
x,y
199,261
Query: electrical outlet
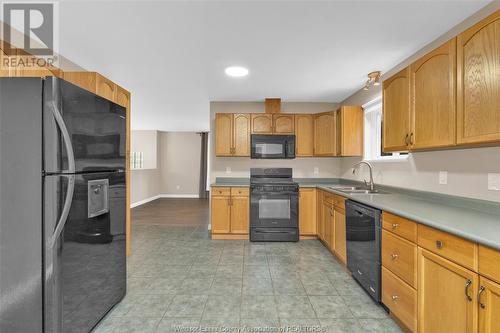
x,y
494,181
178,187
443,177
316,171
228,169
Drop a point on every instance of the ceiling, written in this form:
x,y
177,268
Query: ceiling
x,y
172,55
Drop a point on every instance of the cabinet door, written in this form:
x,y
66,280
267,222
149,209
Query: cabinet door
x,y
241,135
83,79
304,135
489,306
324,134
350,124
478,82
105,88
396,111
328,224
220,214
122,97
223,134
443,291
307,211
319,214
262,123
339,235
240,210
432,93
283,123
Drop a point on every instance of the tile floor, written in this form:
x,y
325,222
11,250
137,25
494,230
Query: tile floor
x,y
181,281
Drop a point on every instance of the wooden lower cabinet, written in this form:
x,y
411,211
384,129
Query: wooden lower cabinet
x,y
221,214
230,211
447,295
307,212
319,215
327,224
489,306
339,234
239,214
400,298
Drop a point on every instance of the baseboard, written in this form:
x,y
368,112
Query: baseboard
x,y
159,196
180,196
145,201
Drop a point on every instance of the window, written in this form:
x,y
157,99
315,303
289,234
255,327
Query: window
x,y
373,133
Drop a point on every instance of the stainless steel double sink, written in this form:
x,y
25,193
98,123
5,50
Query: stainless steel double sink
x,y
354,189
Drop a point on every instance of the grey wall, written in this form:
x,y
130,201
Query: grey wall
x,y
467,168
146,183
240,166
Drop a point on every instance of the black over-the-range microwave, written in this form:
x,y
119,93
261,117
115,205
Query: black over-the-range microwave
x,y
273,146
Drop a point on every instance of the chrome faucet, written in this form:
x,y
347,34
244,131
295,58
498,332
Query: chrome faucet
x,y
371,185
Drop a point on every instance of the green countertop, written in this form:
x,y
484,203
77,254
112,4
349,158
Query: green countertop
x,y
476,220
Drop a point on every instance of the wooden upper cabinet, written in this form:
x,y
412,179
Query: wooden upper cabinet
x,y
241,134
396,111
262,123
304,135
223,134
324,134
349,131
83,79
105,87
283,123
478,82
122,97
489,306
443,304
432,95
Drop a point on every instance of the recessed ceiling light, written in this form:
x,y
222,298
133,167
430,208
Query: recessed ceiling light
x,y
236,71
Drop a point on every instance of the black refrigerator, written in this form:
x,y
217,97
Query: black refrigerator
x,y
62,206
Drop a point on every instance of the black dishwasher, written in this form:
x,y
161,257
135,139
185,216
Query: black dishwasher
x,y
363,232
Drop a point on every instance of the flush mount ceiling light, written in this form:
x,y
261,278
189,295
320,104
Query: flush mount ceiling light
x,y
373,80
236,71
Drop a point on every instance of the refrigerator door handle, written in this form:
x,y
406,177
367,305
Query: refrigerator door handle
x,y
67,139
65,211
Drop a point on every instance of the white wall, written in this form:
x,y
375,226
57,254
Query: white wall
x,y
146,182
240,166
180,160
467,168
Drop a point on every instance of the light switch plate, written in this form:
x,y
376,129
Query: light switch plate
x,y
494,181
228,169
443,177
316,171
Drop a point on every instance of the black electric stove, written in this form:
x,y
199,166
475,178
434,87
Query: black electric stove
x,y
274,206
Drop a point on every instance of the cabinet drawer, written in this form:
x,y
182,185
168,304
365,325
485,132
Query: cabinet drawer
x,y
400,298
400,226
338,201
457,249
218,191
244,191
400,257
489,263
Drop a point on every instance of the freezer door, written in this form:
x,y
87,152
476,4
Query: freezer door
x,y
85,263
94,126
20,205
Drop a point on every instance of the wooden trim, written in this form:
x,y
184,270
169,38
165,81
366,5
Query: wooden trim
x,y
231,236
273,105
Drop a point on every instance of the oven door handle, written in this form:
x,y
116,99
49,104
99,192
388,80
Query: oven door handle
x,y
273,232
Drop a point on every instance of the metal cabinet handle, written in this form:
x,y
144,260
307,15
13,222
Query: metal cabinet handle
x,y
439,244
411,139
331,212
394,256
407,138
481,290
467,285
395,298
395,225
